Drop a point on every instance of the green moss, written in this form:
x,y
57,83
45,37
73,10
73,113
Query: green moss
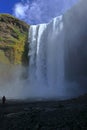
x,y
3,58
13,39
1,38
6,15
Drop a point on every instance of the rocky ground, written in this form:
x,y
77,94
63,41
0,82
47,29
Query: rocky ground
x,y
44,115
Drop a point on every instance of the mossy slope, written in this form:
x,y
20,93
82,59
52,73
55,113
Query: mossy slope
x,y
13,40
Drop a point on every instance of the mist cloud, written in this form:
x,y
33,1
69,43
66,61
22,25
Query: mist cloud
x,y
40,11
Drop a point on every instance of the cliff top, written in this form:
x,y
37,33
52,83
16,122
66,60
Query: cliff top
x,y
11,29
7,18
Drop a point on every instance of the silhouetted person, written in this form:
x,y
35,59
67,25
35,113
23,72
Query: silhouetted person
x,y
3,100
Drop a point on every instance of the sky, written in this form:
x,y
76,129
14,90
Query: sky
x,y
35,11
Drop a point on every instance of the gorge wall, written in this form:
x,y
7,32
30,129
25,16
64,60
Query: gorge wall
x,y
75,23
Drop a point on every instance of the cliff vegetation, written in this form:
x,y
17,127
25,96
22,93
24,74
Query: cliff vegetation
x,y
13,40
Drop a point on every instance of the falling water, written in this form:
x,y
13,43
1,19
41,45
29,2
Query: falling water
x,y
49,53
46,52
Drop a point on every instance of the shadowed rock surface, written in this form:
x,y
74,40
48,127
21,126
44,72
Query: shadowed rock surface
x,y
75,23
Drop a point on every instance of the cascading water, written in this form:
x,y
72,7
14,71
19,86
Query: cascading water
x,y
48,61
46,52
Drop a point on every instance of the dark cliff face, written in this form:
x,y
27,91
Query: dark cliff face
x,y
13,40
76,41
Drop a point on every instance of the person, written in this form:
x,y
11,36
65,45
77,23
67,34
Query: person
x,y
3,100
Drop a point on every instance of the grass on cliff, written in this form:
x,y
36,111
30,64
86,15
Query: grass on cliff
x,y
13,35
6,15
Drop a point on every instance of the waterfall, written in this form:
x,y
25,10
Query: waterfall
x,y
52,72
46,52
